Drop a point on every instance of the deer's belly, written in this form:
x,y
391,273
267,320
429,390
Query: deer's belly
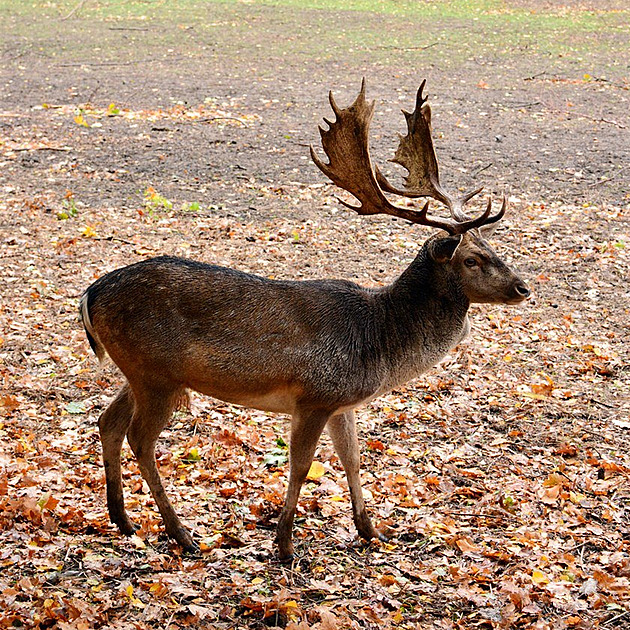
x,y
280,399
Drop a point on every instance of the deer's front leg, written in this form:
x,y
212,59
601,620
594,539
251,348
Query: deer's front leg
x,y
343,431
306,429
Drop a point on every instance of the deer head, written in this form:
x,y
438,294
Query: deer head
x,y
483,276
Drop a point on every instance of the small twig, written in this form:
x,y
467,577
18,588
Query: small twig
x,y
619,616
78,64
593,433
535,76
128,28
407,48
170,620
482,169
600,182
113,238
582,549
604,80
606,178
78,7
472,514
238,120
96,64
526,105
600,402
612,122
17,56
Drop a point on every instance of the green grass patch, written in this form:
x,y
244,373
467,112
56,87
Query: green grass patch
x,y
392,32
487,10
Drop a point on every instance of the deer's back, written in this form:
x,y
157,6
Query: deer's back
x,y
236,336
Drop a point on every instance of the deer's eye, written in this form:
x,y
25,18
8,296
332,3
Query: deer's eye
x,y
471,262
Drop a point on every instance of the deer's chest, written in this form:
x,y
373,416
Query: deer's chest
x,y
427,352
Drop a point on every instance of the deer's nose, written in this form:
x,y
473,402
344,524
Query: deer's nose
x,y
522,290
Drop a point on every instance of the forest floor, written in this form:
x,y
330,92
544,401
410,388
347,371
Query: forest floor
x,y
131,129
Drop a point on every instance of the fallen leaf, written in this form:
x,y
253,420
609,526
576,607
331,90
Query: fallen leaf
x,y
316,471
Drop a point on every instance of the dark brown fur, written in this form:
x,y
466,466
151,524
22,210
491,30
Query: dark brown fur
x,y
314,350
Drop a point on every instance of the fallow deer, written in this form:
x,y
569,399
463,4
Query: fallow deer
x,y
315,350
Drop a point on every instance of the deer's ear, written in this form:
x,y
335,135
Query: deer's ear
x,y
488,230
443,249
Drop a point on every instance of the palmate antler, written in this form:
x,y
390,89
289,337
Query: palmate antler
x,y
345,142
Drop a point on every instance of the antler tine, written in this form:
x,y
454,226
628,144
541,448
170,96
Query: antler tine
x,y
333,104
485,218
498,215
457,206
466,197
422,218
447,225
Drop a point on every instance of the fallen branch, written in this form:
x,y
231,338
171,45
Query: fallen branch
x,y
42,149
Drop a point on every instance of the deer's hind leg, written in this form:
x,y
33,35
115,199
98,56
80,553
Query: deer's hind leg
x,y
113,425
154,408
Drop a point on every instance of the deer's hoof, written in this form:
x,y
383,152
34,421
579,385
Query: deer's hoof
x,y
191,549
286,558
286,553
127,527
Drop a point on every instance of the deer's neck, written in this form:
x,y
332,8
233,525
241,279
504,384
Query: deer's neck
x,y
430,288
424,316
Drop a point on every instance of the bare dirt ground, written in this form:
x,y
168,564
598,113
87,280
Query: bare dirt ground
x,y
502,475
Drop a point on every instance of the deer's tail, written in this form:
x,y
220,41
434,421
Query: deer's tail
x,y
84,314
